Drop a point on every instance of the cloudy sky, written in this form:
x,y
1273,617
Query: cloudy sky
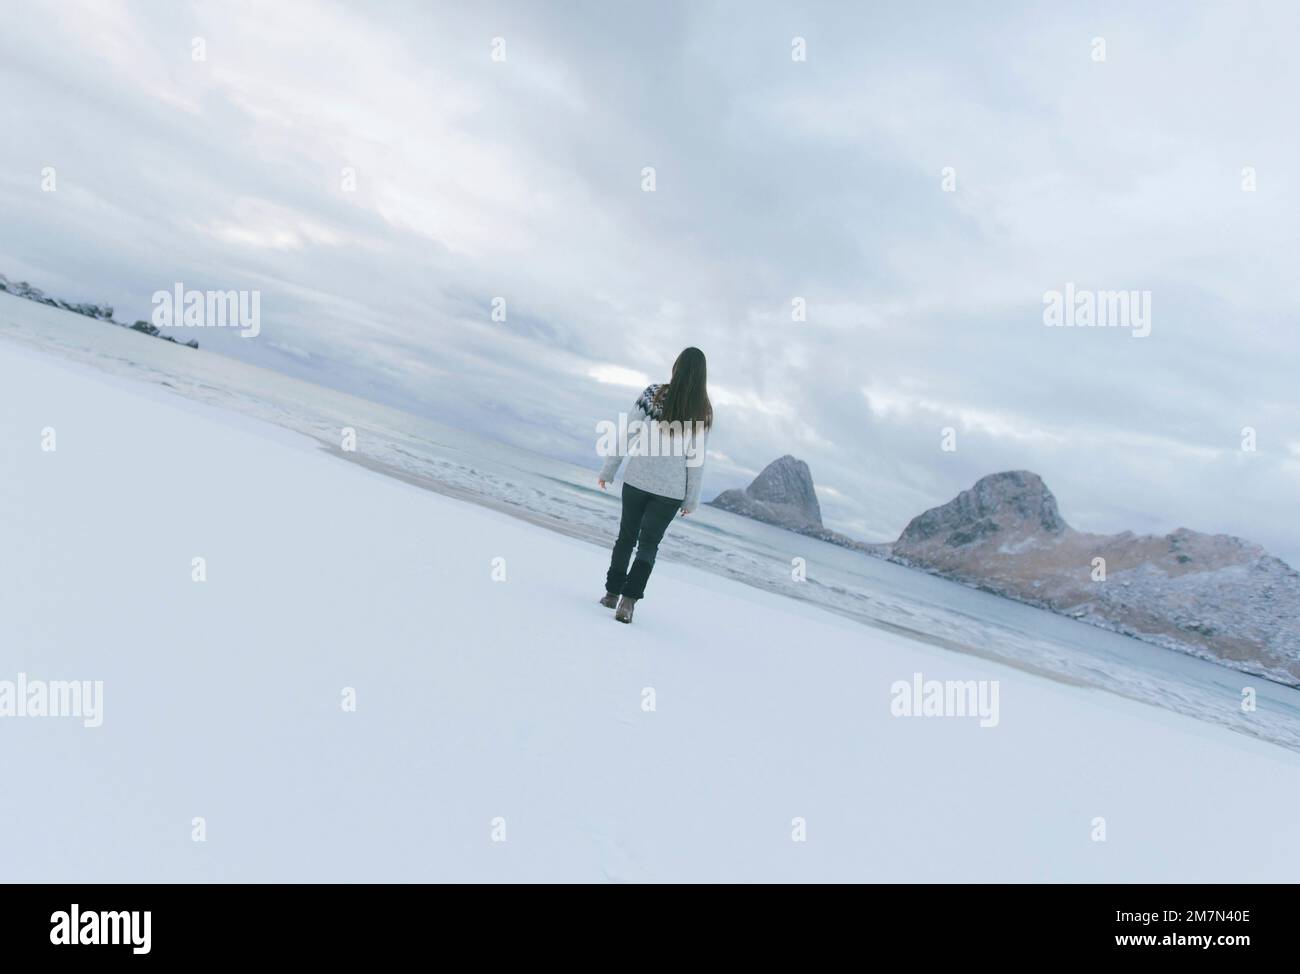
x,y
775,179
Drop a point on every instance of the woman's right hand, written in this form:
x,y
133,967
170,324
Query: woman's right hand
x,y
601,482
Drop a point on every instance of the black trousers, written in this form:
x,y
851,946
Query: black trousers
x,y
646,517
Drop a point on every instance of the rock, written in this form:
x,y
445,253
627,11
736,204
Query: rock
x,y
783,494
1213,596
103,312
1011,505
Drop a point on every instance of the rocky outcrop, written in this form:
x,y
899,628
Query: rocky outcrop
x,y
1014,503
103,312
784,495
1213,596
1208,595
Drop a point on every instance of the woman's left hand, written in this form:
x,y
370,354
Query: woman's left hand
x,y
685,512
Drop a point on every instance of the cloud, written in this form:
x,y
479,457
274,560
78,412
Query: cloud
x,y
616,375
473,180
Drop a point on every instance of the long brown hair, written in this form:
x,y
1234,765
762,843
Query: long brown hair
x,y
686,399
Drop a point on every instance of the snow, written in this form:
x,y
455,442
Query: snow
x,y
516,700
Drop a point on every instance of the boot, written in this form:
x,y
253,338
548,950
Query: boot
x,y
609,600
624,611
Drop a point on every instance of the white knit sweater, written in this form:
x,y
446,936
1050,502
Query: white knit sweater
x,y
674,467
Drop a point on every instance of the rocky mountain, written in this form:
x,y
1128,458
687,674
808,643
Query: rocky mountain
x,y
1213,596
783,494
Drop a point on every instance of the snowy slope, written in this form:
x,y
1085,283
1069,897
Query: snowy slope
x,y
519,699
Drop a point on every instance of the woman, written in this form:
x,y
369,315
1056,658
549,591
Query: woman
x,y
668,432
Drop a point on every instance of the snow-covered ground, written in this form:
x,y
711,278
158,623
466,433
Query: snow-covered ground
x,y
486,705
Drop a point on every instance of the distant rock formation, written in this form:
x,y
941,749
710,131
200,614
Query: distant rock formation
x,y
1213,596
103,312
784,495
1017,502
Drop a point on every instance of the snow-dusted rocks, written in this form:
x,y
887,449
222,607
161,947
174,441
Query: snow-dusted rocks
x,y
1213,596
102,312
782,494
1013,503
